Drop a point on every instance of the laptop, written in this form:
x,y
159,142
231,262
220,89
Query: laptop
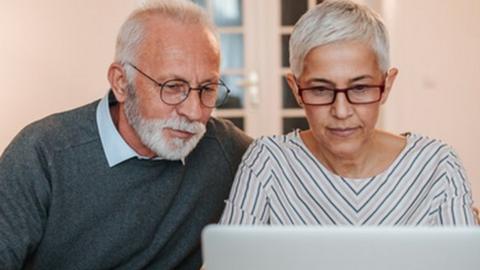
x,y
340,248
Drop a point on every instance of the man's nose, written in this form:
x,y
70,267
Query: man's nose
x,y
192,107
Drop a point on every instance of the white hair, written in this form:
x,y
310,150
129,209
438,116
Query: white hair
x,y
335,21
132,32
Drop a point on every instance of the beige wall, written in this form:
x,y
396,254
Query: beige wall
x,y
55,54
436,46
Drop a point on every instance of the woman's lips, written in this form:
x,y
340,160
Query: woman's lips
x,y
343,132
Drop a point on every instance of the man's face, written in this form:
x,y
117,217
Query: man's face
x,y
150,131
172,51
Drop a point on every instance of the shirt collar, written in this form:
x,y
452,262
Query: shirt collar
x,y
114,146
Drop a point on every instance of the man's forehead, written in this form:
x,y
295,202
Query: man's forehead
x,y
183,50
169,33
174,25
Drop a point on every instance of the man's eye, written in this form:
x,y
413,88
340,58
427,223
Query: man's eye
x,y
210,88
174,86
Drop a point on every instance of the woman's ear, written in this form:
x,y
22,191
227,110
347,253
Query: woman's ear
x,y
389,81
292,83
118,81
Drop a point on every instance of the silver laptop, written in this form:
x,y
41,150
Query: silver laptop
x,y
340,248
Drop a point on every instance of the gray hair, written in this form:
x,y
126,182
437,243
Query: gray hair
x,y
132,32
338,20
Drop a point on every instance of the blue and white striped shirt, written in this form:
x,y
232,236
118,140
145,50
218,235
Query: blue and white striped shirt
x,y
280,182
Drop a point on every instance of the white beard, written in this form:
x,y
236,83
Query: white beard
x,y
151,132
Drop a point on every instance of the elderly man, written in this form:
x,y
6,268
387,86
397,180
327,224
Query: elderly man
x,y
127,182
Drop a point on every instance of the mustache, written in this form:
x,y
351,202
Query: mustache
x,y
181,123
178,123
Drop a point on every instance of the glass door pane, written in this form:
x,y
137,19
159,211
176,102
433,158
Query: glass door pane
x,y
292,113
231,45
289,101
292,10
227,12
292,123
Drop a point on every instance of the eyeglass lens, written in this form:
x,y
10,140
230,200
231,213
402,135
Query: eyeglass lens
x,y
357,95
176,91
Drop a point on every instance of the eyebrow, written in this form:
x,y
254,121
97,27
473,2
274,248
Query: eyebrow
x,y
169,77
359,78
356,79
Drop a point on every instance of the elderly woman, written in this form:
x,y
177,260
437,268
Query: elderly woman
x,y
342,170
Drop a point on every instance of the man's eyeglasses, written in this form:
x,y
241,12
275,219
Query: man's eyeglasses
x,y
175,91
358,94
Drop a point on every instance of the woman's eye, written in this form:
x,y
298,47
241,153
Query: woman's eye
x,y
320,88
359,87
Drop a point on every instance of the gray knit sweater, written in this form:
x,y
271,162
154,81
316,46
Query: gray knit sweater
x,y
63,207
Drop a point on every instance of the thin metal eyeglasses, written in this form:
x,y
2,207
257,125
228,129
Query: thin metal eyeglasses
x,y
176,91
357,94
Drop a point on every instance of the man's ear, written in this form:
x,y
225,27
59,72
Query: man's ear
x,y
389,81
118,81
294,88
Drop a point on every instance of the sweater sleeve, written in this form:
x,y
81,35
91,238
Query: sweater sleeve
x,y
456,207
24,193
248,200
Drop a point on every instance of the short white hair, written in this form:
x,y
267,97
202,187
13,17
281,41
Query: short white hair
x,y
335,21
132,32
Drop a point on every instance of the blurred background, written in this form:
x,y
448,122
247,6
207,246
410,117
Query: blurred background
x,y
55,55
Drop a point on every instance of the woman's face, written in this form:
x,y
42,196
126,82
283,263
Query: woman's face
x,y
342,128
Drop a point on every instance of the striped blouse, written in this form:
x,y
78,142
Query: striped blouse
x,y
280,182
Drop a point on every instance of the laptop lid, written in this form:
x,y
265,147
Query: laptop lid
x,y
340,248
